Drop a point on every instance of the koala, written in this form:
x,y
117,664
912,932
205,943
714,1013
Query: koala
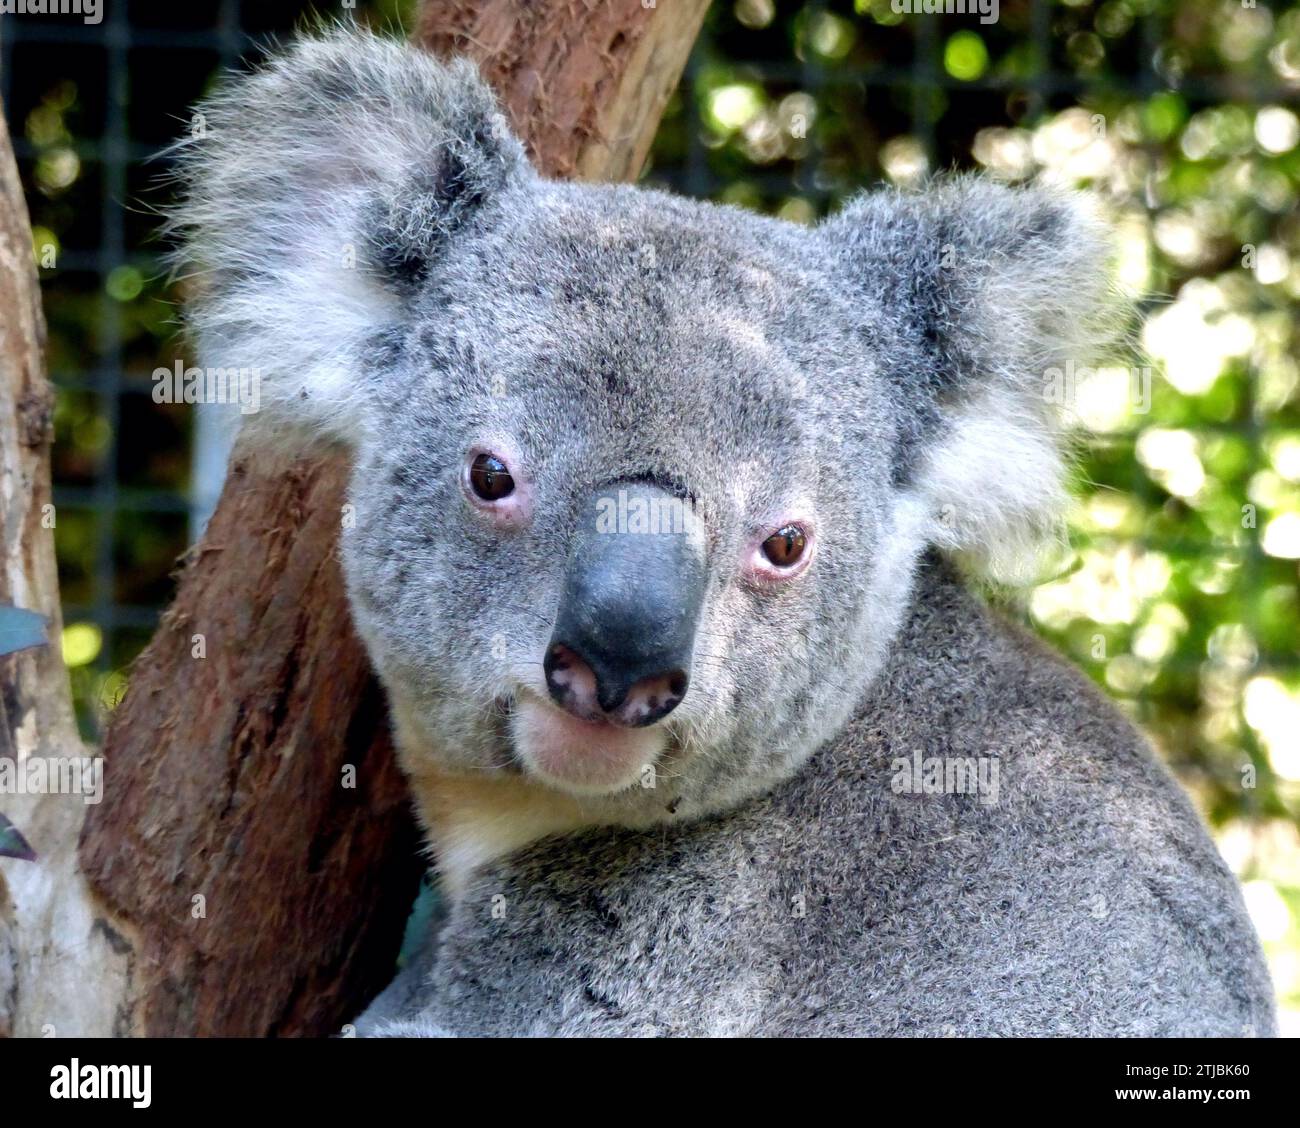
x,y
664,518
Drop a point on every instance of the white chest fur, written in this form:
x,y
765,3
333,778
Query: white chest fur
x,y
472,820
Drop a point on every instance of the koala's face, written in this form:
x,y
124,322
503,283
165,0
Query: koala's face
x,y
639,484
613,518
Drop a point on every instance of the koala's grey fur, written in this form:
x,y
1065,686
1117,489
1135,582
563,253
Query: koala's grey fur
x,y
1086,901
374,241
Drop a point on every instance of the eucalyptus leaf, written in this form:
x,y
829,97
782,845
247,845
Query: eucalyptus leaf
x,y
13,844
20,629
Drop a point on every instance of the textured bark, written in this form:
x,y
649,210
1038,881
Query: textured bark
x,y
51,931
583,82
269,897
260,895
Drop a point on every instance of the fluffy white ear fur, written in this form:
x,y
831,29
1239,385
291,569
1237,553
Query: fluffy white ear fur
x,y
1012,286
998,482
995,488
316,193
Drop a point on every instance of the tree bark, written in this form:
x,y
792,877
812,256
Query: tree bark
x,y
584,84
51,932
246,888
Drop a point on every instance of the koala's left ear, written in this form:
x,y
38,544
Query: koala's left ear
x,y
974,294
319,193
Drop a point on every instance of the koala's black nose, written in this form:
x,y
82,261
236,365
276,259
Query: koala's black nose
x,y
625,631
611,692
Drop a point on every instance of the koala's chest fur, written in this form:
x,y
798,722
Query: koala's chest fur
x,y
838,907
473,821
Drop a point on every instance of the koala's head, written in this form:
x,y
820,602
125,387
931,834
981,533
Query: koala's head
x,y
639,484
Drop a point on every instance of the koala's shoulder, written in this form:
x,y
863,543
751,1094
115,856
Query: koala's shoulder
x,y
963,681
1086,846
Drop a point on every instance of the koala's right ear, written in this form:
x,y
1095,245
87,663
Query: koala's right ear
x,y
318,194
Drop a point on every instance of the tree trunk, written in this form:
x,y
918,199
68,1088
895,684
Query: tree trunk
x,y
241,886
50,930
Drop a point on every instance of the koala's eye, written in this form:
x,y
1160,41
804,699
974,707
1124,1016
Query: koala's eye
x,y
489,478
786,546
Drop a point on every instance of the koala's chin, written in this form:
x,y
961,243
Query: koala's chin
x,y
579,756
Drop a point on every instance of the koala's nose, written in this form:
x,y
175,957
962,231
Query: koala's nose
x,y
613,691
625,630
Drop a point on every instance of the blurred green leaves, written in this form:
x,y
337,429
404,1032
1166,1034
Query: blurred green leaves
x,y
965,56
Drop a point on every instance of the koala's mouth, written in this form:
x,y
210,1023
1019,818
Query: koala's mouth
x,y
582,757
